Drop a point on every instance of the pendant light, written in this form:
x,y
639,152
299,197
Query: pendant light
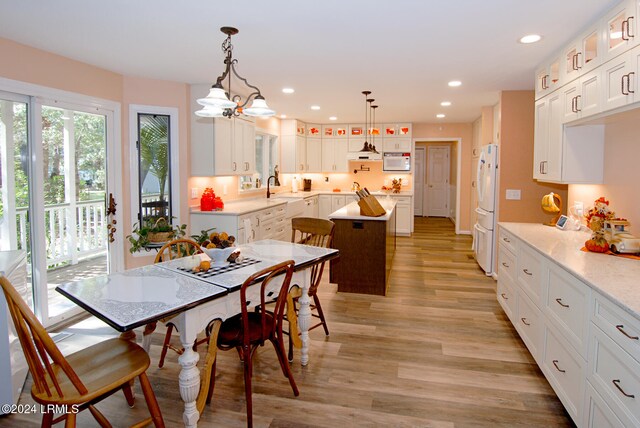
x,y
217,102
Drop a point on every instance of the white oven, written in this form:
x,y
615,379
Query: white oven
x,y
396,161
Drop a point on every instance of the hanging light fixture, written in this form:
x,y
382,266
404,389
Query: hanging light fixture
x,y
367,116
373,126
218,104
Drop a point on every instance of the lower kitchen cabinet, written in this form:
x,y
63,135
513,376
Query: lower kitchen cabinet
x,y
324,206
585,343
404,215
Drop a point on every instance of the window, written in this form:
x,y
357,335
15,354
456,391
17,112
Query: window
x,y
266,162
155,168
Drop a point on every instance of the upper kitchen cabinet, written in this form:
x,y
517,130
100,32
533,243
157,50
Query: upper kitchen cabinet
x,y
620,80
547,142
396,137
334,155
583,55
314,131
313,155
620,31
294,154
396,145
220,146
582,97
548,77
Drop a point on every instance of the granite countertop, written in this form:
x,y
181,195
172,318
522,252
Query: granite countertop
x,y
618,278
352,211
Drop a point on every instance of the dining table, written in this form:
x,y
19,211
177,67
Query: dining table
x,y
172,292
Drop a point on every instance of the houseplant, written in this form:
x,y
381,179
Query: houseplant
x,y
153,231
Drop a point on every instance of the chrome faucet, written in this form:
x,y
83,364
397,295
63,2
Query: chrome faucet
x,y
268,182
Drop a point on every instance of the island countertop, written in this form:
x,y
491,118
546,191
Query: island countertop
x,y
352,211
618,278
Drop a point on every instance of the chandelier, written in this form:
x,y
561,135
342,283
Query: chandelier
x,y
218,104
368,126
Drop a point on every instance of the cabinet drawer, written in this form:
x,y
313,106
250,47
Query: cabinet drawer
x,y
596,412
530,325
565,371
508,299
566,306
506,263
623,328
402,199
616,376
530,273
508,240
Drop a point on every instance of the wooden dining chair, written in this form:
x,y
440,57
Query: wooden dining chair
x,y
319,233
83,378
248,330
174,250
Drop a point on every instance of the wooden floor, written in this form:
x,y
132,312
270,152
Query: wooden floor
x,y
438,351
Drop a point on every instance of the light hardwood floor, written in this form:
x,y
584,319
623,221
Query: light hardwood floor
x,y
438,351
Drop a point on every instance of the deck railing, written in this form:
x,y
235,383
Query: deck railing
x,y
70,236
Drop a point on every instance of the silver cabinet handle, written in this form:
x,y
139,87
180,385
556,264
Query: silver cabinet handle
x,y
555,363
616,382
559,300
620,328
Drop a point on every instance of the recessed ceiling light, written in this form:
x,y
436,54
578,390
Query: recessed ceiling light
x,y
333,118
445,103
288,90
530,38
455,83
283,116
315,107
440,115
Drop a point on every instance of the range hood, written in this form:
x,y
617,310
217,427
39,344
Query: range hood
x,y
364,156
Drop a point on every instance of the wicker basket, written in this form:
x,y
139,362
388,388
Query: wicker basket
x,y
159,237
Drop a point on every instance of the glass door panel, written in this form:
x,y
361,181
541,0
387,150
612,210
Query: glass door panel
x,y
14,181
74,187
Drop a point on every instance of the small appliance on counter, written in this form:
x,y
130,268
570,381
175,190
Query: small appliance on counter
x,y
306,184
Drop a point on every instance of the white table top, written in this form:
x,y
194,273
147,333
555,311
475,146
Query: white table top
x,y
133,298
617,278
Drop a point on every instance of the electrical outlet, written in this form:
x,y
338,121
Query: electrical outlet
x,y
194,192
513,194
578,206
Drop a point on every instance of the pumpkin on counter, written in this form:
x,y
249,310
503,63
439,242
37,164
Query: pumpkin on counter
x,y
597,245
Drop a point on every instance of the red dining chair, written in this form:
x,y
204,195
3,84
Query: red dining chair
x,y
248,330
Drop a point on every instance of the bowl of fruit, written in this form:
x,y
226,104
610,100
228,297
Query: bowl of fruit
x,y
219,247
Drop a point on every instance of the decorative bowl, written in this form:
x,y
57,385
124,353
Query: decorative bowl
x,y
219,256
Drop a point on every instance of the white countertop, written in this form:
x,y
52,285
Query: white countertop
x,y
617,278
352,211
303,194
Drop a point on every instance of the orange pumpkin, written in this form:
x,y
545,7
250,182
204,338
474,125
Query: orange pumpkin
x,y
597,246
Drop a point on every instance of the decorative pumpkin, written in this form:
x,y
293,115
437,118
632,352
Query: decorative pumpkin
x,y
597,245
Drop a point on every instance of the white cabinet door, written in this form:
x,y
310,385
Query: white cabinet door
x,y
248,146
548,138
621,33
324,206
403,215
337,202
547,78
301,154
328,154
340,162
617,75
223,147
314,155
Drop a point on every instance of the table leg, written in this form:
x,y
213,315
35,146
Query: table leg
x,y
146,336
189,382
304,317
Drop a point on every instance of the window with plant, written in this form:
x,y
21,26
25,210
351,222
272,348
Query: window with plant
x,y
154,153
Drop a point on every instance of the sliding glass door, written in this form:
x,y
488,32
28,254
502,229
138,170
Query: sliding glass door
x,y
55,195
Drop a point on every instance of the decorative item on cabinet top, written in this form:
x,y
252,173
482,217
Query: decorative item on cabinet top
x,y
217,102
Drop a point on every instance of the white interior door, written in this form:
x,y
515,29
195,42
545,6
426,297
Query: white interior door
x,y
419,181
438,181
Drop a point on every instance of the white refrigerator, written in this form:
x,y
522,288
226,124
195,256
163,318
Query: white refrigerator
x,y
485,228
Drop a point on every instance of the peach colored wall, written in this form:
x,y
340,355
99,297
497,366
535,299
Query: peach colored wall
x,y
43,68
621,173
27,64
448,131
156,93
516,161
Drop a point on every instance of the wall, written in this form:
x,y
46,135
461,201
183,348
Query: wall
x,y
621,172
449,131
43,68
516,161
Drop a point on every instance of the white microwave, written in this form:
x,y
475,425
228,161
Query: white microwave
x,y
396,161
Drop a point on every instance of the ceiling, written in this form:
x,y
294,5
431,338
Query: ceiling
x,y
404,51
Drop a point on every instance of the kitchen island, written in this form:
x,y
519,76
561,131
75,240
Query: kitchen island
x,y
367,246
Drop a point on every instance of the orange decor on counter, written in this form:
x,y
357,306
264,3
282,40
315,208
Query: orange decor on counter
x,y
207,200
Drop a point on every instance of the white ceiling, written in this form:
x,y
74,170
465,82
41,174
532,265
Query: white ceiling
x,y
404,51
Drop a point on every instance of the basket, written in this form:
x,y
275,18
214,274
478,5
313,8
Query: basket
x,y
159,237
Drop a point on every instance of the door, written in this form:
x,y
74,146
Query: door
x,y
419,181
438,181
60,188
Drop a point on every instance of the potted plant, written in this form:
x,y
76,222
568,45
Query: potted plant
x,y
153,231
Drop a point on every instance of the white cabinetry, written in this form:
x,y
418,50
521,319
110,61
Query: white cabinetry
x,y
334,155
324,206
313,155
582,97
404,214
586,345
620,25
396,144
220,146
311,208
548,138
548,77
